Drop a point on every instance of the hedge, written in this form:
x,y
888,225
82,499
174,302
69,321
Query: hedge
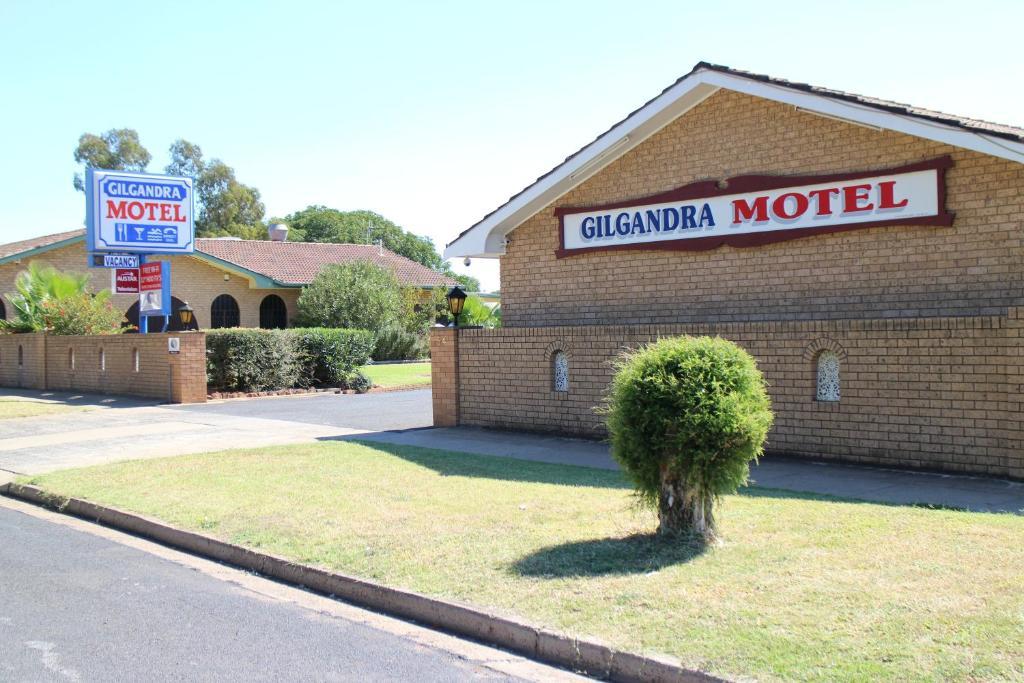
x,y
266,360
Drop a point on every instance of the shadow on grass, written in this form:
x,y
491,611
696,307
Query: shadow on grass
x,y
454,464
637,554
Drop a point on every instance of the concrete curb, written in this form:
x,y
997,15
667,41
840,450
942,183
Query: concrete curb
x,y
585,656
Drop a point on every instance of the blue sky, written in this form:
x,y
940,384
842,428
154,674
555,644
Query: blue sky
x,y
435,113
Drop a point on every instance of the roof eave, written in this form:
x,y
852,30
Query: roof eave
x,y
35,251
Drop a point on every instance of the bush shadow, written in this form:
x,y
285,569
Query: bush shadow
x,y
637,554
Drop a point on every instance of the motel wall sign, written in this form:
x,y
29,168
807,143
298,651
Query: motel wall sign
x,y
754,210
139,213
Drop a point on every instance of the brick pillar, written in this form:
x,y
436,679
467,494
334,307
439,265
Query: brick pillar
x,y
444,373
188,369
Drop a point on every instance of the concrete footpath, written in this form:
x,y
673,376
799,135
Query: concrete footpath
x,y
880,485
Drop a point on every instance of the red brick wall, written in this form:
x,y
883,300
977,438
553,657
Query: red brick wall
x,y
107,364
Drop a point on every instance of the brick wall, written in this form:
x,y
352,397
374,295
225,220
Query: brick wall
x,y
939,393
192,280
975,267
131,365
22,361
444,374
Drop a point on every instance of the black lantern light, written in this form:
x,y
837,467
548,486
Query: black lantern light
x,y
185,315
456,299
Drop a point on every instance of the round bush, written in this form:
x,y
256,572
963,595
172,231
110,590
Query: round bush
x,y
686,416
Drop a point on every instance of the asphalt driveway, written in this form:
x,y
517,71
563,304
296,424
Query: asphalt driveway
x,y
101,429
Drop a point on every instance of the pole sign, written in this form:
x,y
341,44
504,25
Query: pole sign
x,y
139,213
155,289
755,210
126,280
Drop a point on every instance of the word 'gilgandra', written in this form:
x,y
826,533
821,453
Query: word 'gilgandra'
x,y
789,206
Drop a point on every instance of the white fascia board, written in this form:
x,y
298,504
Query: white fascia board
x,y
486,239
870,116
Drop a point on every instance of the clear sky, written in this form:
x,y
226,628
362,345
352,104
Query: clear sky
x,y
434,113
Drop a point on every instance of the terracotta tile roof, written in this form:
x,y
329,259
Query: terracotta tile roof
x,y
297,263
13,248
288,263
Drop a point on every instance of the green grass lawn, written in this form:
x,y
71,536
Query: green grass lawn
x,y
15,407
803,587
399,375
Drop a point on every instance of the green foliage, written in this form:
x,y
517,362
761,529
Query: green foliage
x,y
322,224
476,312
226,206
267,360
357,295
82,313
331,357
419,315
686,416
35,287
396,343
252,360
118,149
467,282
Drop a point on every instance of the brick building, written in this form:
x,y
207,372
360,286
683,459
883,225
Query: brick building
x,y
228,282
867,253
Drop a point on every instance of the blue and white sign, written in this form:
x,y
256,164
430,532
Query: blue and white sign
x,y
140,213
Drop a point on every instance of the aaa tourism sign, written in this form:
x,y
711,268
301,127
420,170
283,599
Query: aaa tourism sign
x,y
126,280
139,213
755,210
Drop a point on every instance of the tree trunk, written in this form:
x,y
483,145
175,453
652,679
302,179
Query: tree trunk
x,y
685,511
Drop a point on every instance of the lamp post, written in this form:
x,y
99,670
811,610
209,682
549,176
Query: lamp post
x,y
456,299
185,315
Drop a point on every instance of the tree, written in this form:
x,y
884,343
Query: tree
x,y
686,416
118,149
323,224
468,282
357,295
226,206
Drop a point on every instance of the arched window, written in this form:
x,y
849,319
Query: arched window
x,y
224,312
560,371
273,313
156,323
3,310
828,376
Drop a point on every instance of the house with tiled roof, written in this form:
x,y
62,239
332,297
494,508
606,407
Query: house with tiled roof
x,y
229,282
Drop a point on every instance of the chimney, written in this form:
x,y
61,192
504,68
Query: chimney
x,y
278,232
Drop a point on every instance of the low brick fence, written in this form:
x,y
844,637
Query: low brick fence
x,y
932,393
126,364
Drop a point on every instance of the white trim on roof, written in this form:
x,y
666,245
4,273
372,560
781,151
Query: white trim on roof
x,y
487,238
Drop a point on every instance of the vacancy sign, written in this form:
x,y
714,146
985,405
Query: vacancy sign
x,y
139,213
752,210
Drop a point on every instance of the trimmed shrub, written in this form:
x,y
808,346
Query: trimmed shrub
x,y
686,416
395,343
330,356
252,360
358,382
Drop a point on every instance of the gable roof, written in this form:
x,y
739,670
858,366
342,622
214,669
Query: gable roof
x,y
486,238
270,264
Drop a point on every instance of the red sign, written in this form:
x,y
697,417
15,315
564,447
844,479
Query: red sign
x,y
126,280
150,277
